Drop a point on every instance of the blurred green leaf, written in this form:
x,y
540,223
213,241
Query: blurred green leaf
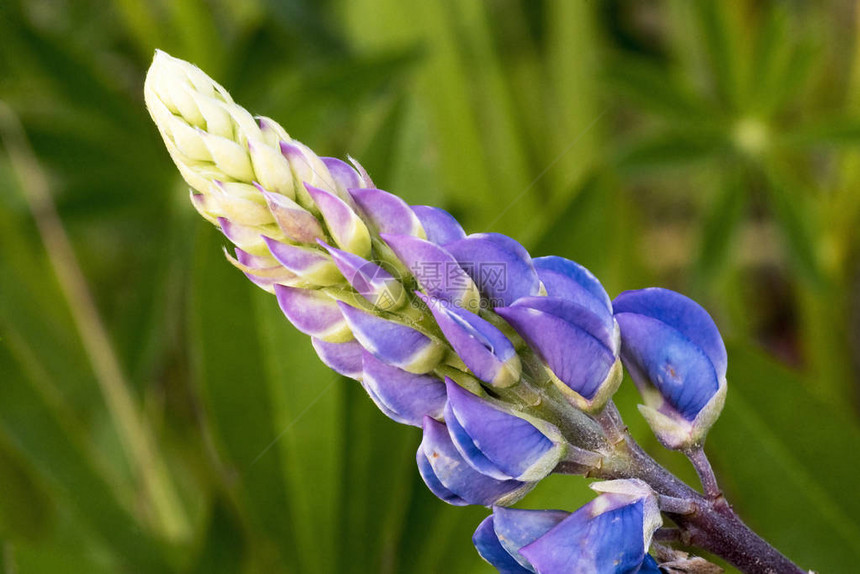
x,y
58,453
230,375
655,88
776,437
720,227
797,219
668,150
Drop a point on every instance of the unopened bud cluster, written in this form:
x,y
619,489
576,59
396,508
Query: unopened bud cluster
x,y
505,361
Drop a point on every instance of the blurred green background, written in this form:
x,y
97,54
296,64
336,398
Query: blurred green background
x,y
179,424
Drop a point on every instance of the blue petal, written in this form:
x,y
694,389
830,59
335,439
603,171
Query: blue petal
x,y
655,353
649,566
467,449
610,543
487,543
681,313
439,225
568,280
516,528
428,475
485,350
458,477
577,358
514,447
391,342
435,269
598,324
501,268
387,212
342,358
407,396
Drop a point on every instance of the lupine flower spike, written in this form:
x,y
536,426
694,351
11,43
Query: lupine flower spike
x,y
507,363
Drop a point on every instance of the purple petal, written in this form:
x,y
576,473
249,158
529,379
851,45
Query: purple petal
x,y
487,352
599,324
501,268
407,396
342,173
393,343
681,313
610,543
484,433
311,264
439,225
387,212
579,360
365,179
457,477
566,279
656,354
309,169
370,280
432,481
255,262
516,528
435,269
313,313
348,230
296,222
260,271
342,358
490,549
243,236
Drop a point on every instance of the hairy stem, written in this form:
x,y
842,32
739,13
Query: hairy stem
x,y
706,473
712,526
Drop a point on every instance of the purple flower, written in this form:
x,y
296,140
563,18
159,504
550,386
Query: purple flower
x,y
345,226
500,536
485,350
579,348
439,225
572,330
313,313
500,267
314,266
453,480
370,280
675,355
393,343
342,358
404,397
609,535
387,212
498,443
437,272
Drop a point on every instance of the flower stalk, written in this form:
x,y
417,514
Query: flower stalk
x,y
507,363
